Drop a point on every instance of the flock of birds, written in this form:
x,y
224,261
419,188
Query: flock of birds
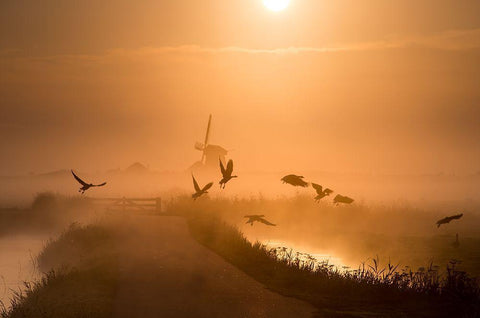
x,y
297,181
226,176
294,180
291,179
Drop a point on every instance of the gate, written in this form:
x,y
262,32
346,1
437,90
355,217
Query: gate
x,y
149,205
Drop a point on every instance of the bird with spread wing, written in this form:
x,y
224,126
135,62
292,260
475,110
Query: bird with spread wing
x,y
226,173
85,186
321,193
448,219
200,191
257,218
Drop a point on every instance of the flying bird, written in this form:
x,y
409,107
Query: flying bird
x,y
294,180
257,218
342,199
328,191
320,192
85,186
448,219
226,173
199,192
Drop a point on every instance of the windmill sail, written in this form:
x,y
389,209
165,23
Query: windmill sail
x,y
210,153
205,144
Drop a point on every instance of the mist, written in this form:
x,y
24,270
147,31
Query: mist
x,y
395,111
117,121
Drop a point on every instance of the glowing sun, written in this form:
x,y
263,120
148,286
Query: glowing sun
x,y
276,5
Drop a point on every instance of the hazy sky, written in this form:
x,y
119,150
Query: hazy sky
x,y
365,86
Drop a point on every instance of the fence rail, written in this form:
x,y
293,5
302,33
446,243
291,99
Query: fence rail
x,y
130,204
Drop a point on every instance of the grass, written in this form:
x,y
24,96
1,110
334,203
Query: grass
x,y
66,293
370,290
76,246
80,278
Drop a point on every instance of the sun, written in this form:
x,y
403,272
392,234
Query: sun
x,y
276,5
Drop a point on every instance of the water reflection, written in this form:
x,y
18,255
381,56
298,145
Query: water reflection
x,y
319,256
17,263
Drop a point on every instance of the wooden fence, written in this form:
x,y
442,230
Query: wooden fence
x,y
151,205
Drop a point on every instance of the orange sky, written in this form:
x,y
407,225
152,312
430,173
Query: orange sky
x,y
370,86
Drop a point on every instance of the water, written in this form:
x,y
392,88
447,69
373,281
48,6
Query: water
x,y
320,256
17,254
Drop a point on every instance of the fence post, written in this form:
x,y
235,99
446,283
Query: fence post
x,y
158,206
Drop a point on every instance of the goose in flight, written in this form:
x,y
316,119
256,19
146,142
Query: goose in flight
x,y
294,180
342,199
257,218
320,192
199,192
226,173
448,219
85,186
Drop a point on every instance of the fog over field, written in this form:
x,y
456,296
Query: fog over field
x,y
238,149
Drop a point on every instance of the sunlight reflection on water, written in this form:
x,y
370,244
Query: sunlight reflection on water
x,y
318,255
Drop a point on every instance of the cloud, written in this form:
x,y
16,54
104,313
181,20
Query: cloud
x,y
455,40
451,40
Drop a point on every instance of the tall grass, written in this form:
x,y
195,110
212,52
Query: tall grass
x,y
65,293
369,288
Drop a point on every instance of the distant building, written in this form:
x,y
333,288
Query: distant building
x,y
137,167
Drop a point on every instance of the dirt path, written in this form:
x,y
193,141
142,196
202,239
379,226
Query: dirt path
x,y
166,273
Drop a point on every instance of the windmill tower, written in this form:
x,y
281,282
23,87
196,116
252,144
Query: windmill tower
x,y
210,153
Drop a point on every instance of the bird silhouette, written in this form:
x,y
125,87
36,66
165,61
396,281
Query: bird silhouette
x,y
199,192
257,218
342,199
294,180
448,219
226,173
85,186
320,192
456,244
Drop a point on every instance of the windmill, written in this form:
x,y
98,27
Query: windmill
x,y
210,153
